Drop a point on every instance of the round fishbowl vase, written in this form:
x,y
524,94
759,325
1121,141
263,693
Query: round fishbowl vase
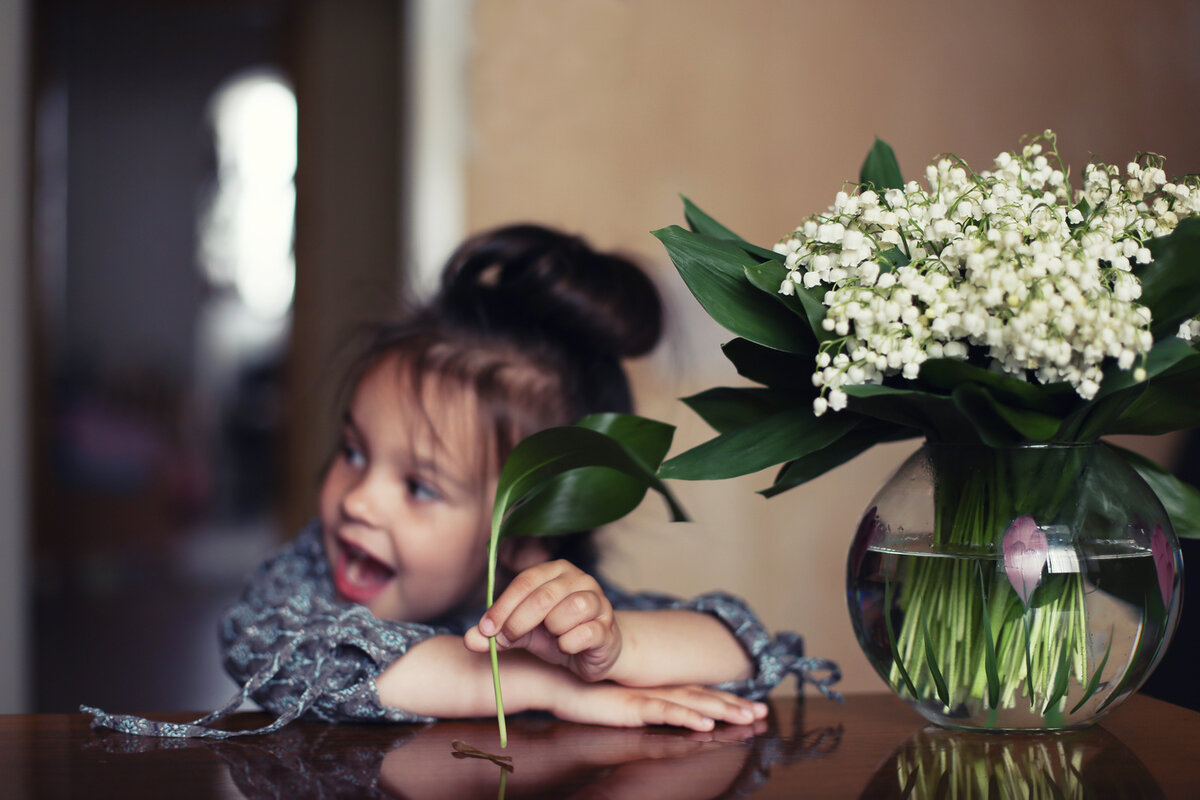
x,y
1022,588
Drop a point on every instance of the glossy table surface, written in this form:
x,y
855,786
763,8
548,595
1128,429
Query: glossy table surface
x,y
872,746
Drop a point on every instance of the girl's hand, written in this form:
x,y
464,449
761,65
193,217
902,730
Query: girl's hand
x,y
697,708
560,614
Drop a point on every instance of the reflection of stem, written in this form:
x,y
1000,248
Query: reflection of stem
x,y
503,783
1075,765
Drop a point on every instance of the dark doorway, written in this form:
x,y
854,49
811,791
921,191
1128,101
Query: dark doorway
x,y
174,407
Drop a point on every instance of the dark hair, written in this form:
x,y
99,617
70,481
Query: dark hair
x,y
535,322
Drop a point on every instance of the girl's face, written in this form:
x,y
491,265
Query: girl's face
x,y
404,515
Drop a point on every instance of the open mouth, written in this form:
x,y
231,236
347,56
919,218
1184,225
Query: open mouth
x,y
358,575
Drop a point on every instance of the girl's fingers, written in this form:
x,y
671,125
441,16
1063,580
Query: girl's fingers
x,y
475,641
577,609
660,711
696,708
557,595
525,584
581,638
715,705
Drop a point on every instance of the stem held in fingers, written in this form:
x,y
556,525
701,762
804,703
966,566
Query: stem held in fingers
x,y
491,598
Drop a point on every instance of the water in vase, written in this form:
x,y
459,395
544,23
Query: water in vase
x,y
952,634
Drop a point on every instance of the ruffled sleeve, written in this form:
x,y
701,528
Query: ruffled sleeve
x,y
297,651
774,657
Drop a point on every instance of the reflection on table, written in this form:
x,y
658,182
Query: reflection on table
x,y
942,763
549,758
873,746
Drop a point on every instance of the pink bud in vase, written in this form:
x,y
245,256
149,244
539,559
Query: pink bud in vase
x,y
1164,563
1025,548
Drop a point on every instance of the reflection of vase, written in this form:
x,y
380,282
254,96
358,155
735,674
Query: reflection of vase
x,y
1021,588
939,763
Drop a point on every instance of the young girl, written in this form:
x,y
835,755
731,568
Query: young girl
x,y
375,612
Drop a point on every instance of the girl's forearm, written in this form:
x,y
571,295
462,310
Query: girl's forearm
x,y
677,646
439,677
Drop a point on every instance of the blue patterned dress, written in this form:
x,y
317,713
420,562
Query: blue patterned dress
x,y
298,650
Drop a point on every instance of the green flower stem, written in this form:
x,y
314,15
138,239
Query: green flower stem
x,y
495,656
1028,658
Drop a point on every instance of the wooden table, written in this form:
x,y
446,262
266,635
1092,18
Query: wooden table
x,y
872,746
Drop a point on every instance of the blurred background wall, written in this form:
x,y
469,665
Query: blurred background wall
x,y
596,116
14,480
418,122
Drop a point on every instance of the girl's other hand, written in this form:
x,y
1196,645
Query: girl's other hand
x,y
696,708
558,613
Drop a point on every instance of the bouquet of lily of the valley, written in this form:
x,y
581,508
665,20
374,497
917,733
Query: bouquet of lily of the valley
x,y
988,308
998,307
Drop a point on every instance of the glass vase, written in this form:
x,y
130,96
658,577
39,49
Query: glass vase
x,y
1022,588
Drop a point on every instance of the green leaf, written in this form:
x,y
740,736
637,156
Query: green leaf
x,y
610,495
713,270
931,661
1167,403
989,646
880,167
764,443
790,373
1165,357
1119,406
947,373
1094,682
1171,282
1181,501
1061,678
1049,590
863,437
998,424
806,303
767,277
588,497
646,439
702,223
1142,646
727,408
888,590
704,252
891,258
538,461
934,415
1098,417
1014,609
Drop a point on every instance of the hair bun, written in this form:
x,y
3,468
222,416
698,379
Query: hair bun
x,y
522,276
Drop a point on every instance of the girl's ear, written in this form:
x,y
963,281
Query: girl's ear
x,y
519,553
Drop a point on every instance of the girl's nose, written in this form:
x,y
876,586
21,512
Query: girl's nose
x,y
361,503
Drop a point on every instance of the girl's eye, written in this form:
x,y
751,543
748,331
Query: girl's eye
x,y
352,455
422,491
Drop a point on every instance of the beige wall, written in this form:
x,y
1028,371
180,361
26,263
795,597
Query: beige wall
x,y
597,114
